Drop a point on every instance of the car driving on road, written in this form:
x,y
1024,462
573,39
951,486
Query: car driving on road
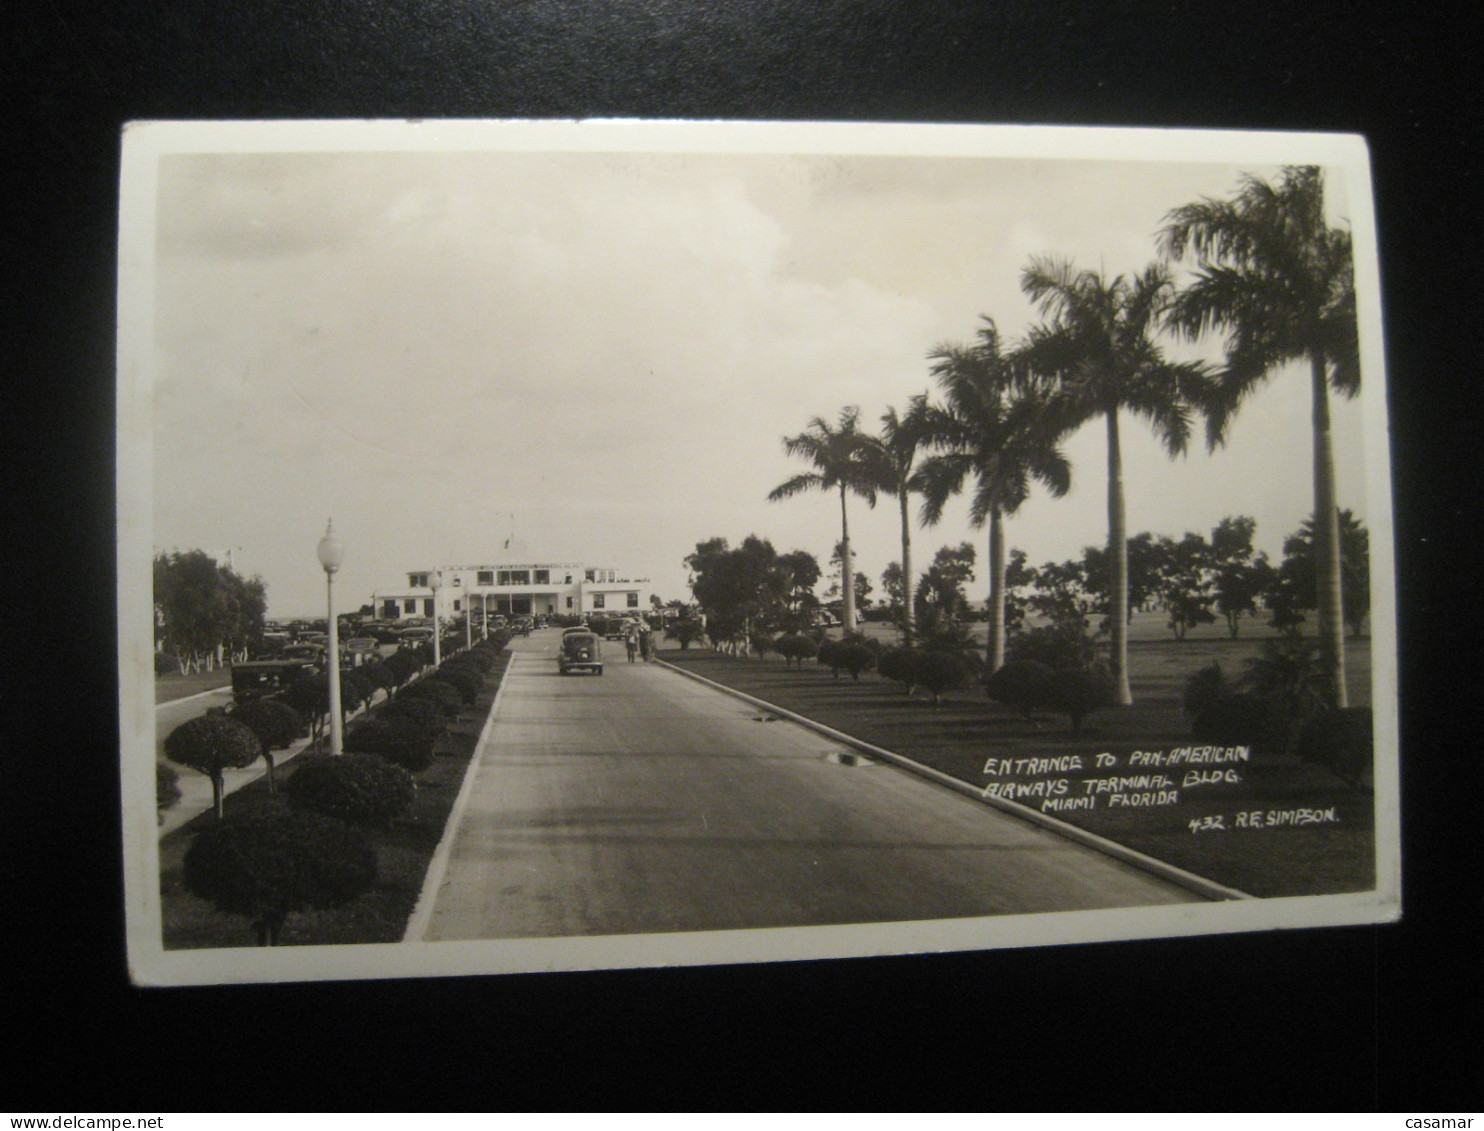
x,y
580,651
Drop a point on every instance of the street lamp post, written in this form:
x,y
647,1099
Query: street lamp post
x,y
435,582
468,618
331,554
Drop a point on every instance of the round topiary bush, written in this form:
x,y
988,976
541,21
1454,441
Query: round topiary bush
x,y
423,712
895,664
795,648
1239,720
166,662
360,788
1022,685
855,658
276,724
467,683
167,788
397,739
937,672
403,666
1341,741
440,693
828,655
213,744
270,864
1078,692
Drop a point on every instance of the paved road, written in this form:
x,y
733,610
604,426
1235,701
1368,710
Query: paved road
x,y
642,801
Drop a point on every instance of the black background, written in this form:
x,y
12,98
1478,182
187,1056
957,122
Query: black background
x,y
1354,1018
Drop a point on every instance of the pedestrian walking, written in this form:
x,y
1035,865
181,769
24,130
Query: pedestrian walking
x,y
631,643
646,643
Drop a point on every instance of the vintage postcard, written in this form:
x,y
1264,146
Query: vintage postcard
x,y
568,545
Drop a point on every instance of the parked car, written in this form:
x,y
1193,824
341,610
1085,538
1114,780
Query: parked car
x,y
309,653
580,651
259,679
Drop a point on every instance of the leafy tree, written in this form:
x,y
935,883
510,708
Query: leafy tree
x,y
213,744
268,865
937,672
1241,576
1296,586
748,588
686,630
1185,583
1098,347
1279,283
276,724
843,461
1022,685
941,595
992,428
862,582
796,648
204,607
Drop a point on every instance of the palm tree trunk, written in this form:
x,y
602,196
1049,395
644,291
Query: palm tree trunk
x,y
1327,539
847,567
1118,558
908,624
996,650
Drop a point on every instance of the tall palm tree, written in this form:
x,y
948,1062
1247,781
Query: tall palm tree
x,y
844,461
1280,283
991,428
1098,348
897,448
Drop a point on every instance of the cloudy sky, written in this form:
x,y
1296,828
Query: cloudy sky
x,y
600,353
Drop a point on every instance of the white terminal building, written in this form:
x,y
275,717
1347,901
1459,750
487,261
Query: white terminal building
x,y
513,588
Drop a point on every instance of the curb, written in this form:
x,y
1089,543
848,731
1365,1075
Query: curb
x,y
227,687
1188,880
422,910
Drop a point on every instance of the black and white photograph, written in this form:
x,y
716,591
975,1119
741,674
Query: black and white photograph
x,y
582,545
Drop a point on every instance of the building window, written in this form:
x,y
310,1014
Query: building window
x,y
520,577
410,606
457,579
569,580
543,577
417,580
588,576
504,577
633,600
569,602
427,606
485,577
456,605
597,600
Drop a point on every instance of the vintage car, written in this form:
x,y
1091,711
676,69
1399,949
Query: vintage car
x,y
580,651
259,679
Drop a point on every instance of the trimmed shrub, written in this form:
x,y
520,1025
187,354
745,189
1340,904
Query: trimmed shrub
x,y
423,712
1204,688
166,662
762,643
276,724
795,648
855,658
937,672
268,865
213,744
378,675
463,680
1239,720
167,788
1063,645
829,656
403,666
896,665
400,740
363,789
355,689
1022,685
440,693
1342,741
1078,692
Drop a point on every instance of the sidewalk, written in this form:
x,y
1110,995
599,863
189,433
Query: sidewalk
x,y
195,787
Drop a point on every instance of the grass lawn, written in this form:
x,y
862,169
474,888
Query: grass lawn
x,y
962,734
403,852
177,686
